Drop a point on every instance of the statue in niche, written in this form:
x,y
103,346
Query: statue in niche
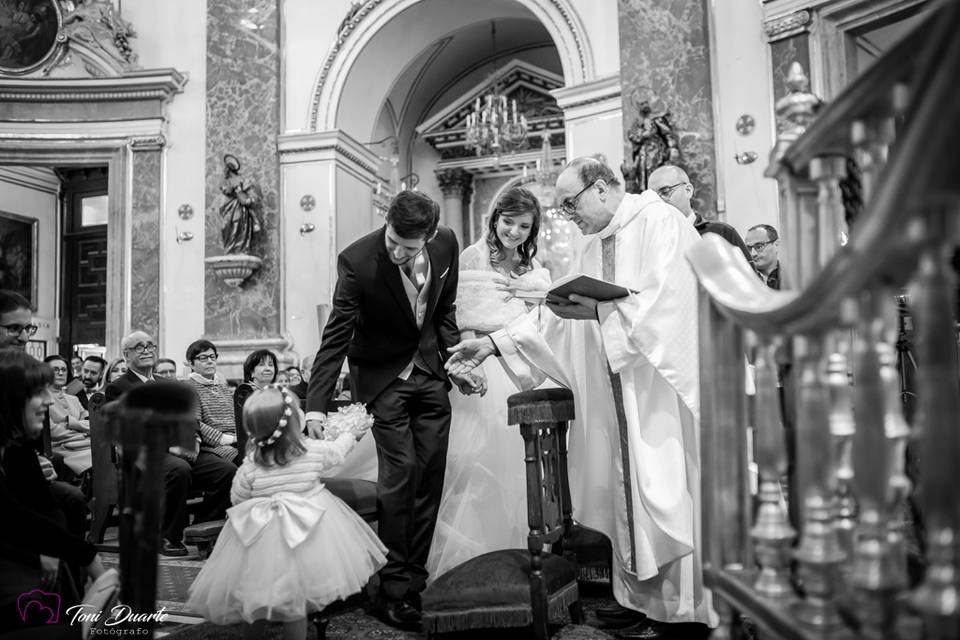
x,y
655,143
241,214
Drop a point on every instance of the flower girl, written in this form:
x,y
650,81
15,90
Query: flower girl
x,y
290,547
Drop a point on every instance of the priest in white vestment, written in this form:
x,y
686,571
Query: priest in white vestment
x,y
632,364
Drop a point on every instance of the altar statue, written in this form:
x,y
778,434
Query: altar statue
x,y
241,214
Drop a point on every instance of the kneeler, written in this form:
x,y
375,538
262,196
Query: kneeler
x,y
520,587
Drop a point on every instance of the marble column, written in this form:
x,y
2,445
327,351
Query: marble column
x,y
455,184
665,58
243,119
789,40
146,159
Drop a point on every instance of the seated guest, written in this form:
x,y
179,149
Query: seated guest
x,y
40,551
183,470
69,426
764,244
296,382
215,413
91,373
673,186
74,384
166,369
115,369
283,379
259,370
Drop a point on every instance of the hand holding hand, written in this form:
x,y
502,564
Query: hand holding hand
x,y
468,355
228,439
578,308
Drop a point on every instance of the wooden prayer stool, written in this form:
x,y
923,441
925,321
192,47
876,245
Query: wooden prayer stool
x,y
520,587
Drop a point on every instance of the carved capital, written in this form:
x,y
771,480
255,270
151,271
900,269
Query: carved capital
x,y
455,182
147,143
788,25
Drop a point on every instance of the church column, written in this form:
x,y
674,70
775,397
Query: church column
x,y
327,185
592,115
455,184
147,177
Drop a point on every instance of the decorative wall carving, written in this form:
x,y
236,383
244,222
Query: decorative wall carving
x,y
788,25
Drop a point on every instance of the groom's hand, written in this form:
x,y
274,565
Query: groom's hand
x,y
315,428
468,355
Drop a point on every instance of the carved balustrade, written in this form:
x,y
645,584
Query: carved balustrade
x,y
839,543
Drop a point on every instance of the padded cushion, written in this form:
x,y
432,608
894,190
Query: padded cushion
x,y
495,578
359,495
203,531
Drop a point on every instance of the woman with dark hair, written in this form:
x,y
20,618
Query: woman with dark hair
x,y
484,491
37,551
215,411
259,370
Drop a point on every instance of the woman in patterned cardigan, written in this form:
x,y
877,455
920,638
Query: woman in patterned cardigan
x,y
217,427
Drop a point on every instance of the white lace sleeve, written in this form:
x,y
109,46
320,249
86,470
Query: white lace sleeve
x,y
326,454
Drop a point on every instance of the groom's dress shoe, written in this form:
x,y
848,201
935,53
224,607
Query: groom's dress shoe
x,y
414,600
645,630
397,614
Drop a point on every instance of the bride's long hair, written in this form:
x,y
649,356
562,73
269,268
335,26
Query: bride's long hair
x,y
515,202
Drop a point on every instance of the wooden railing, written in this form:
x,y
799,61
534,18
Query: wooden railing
x,y
870,197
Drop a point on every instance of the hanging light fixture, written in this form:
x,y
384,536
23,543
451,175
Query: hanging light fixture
x,y
494,126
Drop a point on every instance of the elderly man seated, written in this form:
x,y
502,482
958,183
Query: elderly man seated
x,y
183,470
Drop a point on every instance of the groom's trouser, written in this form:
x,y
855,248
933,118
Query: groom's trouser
x,y
411,429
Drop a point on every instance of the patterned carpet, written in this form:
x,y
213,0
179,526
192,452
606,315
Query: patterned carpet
x,y
351,621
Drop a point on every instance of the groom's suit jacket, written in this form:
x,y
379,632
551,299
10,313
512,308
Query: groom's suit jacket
x,y
372,322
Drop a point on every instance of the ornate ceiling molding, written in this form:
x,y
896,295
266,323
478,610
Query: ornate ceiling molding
x,y
159,84
788,25
357,14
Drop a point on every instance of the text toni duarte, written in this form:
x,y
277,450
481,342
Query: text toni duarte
x,y
120,614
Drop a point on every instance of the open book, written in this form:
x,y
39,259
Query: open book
x,y
578,283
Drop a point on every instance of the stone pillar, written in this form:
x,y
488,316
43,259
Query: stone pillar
x,y
592,116
146,160
455,184
665,59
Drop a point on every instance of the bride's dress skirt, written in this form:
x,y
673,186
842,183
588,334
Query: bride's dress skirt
x,y
484,502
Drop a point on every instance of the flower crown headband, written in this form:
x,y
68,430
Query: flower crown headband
x,y
284,417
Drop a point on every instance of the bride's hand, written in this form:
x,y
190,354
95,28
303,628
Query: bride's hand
x,y
513,286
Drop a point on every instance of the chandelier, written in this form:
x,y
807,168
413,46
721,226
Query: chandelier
x,y
494,125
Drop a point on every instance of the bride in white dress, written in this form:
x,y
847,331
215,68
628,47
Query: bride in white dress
x,y
483,507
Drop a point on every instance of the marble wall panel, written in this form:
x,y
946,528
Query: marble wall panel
x,y
145,243
784,53
243,118
665,58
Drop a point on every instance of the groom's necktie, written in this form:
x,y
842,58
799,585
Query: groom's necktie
x,y
414,271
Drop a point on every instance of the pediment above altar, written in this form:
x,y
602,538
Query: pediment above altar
x,y
518,80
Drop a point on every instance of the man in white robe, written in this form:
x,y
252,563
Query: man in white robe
x,y
632,365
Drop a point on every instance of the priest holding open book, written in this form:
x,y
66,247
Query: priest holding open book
x,y
630,355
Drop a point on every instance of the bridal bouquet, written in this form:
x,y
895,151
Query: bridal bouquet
x,y
353,418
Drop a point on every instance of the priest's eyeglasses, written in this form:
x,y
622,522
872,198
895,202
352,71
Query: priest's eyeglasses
x,y
569,205
17,329
664,192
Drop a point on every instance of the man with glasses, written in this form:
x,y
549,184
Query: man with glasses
x,y
183,470
673,186
763,241
632,365
16,320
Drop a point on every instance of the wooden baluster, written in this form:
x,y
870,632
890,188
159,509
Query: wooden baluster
x,y
818,554
872,143
827,171
876,584
842,430
772,533
897,432
939,405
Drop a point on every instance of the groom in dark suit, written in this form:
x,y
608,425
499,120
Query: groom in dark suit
x,y
394,315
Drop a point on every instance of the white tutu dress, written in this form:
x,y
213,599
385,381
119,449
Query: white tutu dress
x,y
290,547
